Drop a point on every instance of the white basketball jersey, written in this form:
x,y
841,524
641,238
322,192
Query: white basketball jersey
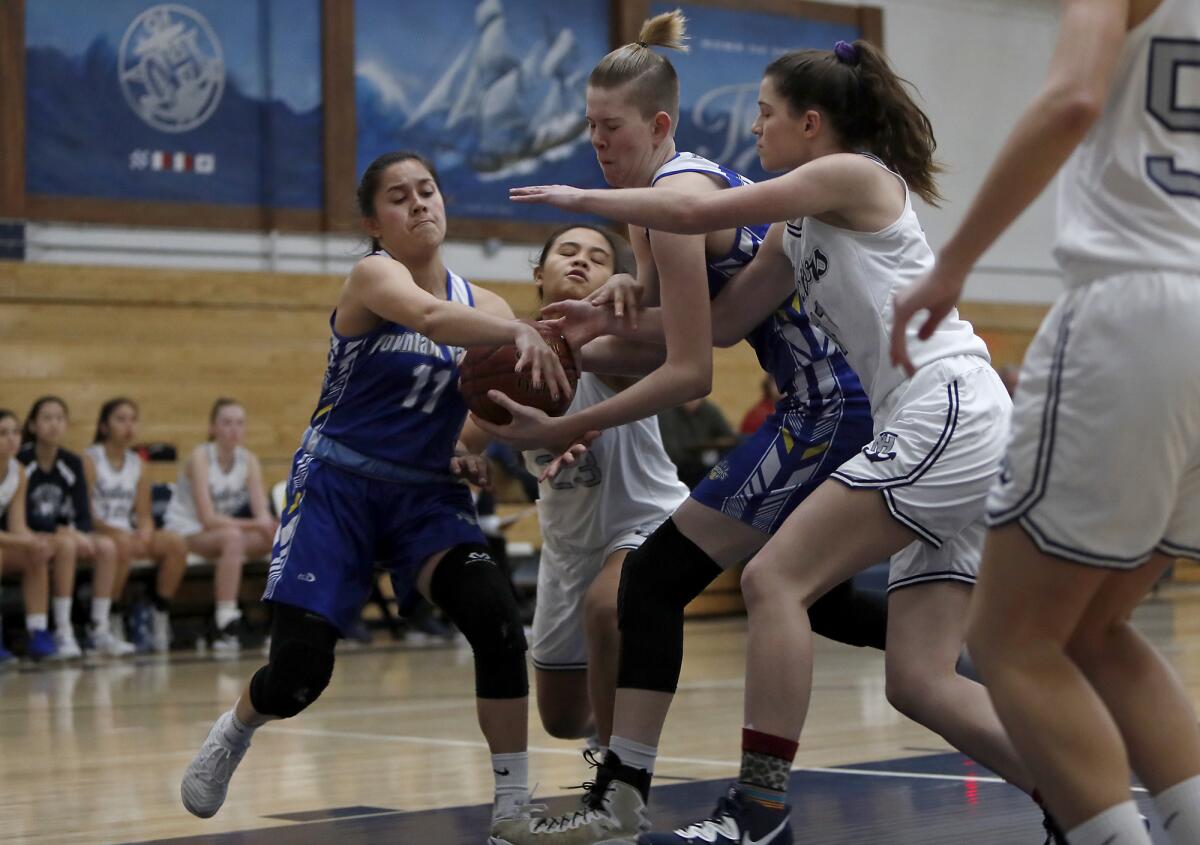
x,y
8,487
624,481
228,490
1129,197
114,492
848,282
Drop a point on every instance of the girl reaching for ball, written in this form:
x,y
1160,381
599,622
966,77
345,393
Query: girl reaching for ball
x,y
372,482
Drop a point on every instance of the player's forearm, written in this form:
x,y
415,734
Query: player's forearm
x,y
667,387
655,208
615,356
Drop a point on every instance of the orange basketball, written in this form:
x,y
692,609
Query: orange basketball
x,y
486,368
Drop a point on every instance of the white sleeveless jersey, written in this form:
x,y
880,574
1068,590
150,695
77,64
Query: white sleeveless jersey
x,y
848,282
8,487
1129,196
114,492
624,481
228,490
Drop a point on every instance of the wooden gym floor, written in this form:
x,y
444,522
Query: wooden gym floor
x,y
93,753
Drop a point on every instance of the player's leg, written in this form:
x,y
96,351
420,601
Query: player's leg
x,y
926,629
1027,608
468,585
603,643
559,646
320,575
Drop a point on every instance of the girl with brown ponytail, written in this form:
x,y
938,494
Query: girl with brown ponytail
x,y
852,146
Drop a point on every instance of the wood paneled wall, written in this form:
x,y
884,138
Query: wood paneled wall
x,y
175,340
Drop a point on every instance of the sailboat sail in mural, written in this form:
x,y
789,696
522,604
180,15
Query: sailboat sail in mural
x,y
515,109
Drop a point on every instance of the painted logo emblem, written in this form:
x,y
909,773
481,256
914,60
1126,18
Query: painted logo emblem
x,y
882,448
171,68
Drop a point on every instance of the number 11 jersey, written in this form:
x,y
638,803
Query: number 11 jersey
x,y
392,393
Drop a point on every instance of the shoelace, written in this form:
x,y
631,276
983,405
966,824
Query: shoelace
x,y
213,767
591,809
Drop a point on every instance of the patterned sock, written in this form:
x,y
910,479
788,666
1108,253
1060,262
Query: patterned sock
x,y
634,754
512,779
1119,825
1179,807
766,766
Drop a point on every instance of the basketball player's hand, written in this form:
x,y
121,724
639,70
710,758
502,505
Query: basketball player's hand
x,y
474,468
568,458
559,196
531,428
579,321
936,293
624,293
535,353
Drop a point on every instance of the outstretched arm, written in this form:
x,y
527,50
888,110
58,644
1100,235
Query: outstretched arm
x,y
823,185
1072,98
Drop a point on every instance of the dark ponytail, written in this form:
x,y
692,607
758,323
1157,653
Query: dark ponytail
x,y
869,106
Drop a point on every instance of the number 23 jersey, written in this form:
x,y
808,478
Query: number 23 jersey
x,y
623,482
392,393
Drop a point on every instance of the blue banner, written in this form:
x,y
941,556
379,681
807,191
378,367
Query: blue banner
x,y
208,101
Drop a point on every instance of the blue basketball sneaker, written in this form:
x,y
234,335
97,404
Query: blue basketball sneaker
x,y
7,658
736,821
41,645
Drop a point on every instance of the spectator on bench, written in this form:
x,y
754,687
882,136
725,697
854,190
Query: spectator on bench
x,y
120,497
20,549
56,503
220,508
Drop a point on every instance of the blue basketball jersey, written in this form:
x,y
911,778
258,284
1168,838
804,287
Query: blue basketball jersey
x,y
392,394
805,365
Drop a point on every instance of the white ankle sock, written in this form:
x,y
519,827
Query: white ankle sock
x,y
100,611
36,622
235,732
1179,807
1119,825
227,611
511,771
62,614
633,753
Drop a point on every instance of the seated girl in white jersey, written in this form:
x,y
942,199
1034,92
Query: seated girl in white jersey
x,y
219,507
121,510
1101,489
56,503
372,484
22,551
916,494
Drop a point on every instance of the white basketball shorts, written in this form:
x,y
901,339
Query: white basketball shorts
x,y
938,442
1103,467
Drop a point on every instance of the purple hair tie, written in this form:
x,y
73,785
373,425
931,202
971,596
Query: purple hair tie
x,y
846,53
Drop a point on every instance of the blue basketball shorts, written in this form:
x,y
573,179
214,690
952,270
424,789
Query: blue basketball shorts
x,y
772,471
337,526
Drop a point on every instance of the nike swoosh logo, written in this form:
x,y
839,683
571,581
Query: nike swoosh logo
x,y
502,772
746,840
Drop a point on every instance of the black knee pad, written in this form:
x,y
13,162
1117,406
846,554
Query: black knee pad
x,y
851,614
300,666
470,587
657,582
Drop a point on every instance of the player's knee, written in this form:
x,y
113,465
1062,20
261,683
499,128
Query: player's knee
x,y
469,586
909,686
301,663
564,719
661,577
600,613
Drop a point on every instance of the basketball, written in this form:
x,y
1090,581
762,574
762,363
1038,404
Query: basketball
x,y
486,368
